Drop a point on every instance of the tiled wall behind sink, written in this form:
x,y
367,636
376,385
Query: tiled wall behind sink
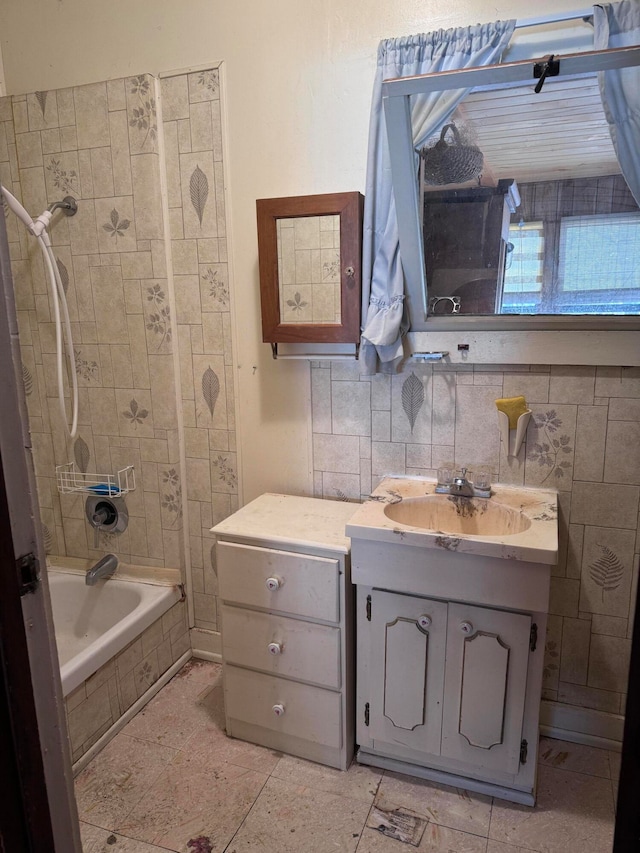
x,y
583,441
98,143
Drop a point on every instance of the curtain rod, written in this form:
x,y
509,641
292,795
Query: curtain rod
x,y
556,18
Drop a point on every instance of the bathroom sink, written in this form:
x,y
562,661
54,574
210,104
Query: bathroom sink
x,y
515,523
458,515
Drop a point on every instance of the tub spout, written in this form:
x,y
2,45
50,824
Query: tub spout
x,y
104,568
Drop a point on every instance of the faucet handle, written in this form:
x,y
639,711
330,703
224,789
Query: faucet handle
x,y
97,520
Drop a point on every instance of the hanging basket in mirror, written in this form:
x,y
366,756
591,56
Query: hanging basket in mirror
x,y
451,162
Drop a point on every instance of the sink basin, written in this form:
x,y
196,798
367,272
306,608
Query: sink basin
x,y
458,515
515,523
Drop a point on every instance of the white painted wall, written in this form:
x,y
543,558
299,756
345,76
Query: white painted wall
x,y
299,75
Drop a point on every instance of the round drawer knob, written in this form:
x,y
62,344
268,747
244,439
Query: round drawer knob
x,y
466,628
274,648
273,584
424,622
278,710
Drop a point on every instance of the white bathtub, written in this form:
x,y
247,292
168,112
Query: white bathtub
x,y
94,623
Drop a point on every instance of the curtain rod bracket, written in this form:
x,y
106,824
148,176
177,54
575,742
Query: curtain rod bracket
x,y
549,67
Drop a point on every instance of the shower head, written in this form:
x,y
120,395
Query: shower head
x,y
68,205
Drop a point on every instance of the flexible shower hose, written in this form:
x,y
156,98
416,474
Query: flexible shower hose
x,y
58,297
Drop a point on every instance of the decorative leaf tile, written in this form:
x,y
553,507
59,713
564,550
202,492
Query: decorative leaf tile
x,y
157,318
412,398
204,85
550,447
41,98
607,562
61,175
199,191
141,114
224,477
170,497
199,201
214,287
81,454
87,368
116,225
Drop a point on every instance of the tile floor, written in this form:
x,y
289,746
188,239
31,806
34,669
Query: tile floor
x,y
172,781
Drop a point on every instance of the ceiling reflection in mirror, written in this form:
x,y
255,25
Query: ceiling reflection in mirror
x,y
545,222
308,249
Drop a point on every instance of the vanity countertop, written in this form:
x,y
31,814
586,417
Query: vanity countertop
x,y
536,511
291,520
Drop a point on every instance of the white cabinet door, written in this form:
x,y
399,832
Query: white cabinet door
x,y
407,654
485,686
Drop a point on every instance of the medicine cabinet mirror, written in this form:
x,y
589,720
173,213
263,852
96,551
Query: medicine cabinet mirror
x,y
545,234
310,250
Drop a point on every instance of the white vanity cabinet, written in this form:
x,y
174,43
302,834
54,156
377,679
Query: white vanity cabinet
x,y
451,631
446,689
287,626
445,679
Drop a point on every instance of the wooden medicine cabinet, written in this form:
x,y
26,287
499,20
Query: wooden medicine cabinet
x,y
310,260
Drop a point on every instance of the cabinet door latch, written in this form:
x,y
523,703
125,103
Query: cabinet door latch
x,y
366,714
368,608
533,637
28,573
524,747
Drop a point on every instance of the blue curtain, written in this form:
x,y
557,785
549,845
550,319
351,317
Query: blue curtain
x,y
618,25
383,285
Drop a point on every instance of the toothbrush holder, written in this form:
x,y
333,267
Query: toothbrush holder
x,y
513,443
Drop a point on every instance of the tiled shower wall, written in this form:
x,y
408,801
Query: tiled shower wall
x,y
195,190
583,441
100,144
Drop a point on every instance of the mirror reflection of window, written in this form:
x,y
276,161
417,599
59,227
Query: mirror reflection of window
x,y
598,271
571,247
524,269
579,255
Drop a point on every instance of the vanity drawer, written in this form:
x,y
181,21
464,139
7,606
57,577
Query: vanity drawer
x,y
309,713
282,646
279,580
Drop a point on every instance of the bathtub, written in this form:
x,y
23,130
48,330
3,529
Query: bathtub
x,y
94,623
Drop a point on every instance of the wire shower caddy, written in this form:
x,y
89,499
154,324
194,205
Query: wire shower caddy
x,y
70,480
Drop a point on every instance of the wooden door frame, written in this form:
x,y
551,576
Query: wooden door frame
x,y
39,764
627,833
25,818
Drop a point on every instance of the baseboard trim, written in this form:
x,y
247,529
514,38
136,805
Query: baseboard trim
x,y
581,737
581,725
130,713
214,657
206,645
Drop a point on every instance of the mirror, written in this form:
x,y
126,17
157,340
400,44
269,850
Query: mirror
x,y
545,224
309,250
309,269
564,219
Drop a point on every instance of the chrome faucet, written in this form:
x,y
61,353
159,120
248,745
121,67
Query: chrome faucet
x,y
104,568
461,486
